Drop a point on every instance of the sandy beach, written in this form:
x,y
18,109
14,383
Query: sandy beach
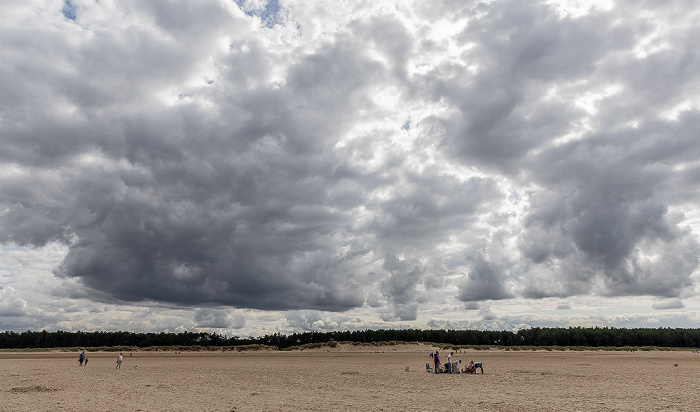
x,y
350,378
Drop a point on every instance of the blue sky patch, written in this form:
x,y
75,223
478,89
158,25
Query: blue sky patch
x,y
69,10
269,15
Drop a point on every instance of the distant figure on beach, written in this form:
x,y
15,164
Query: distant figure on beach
x,y
436,360
470,367
473,366
120,358
448,365
81,358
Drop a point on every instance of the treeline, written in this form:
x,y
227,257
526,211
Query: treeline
x,y
578,336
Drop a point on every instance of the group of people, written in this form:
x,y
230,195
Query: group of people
x,y
453,366
83,359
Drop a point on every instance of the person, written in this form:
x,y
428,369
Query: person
x,y
448,365
120,358
470,367
436,360
455,366
81,358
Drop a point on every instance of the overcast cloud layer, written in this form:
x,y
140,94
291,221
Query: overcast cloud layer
x,y
257,166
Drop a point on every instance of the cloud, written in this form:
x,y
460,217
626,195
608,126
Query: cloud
x,y
10,304
486,313
310,321
405,276
319,159
217,319
668,304
487,277
471,306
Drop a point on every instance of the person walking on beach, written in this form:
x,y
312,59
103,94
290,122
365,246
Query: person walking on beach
x,y
436,359
81,358
120,358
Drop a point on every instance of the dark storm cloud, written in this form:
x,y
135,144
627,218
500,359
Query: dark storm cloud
x,y
176,210
187,155
177,205
669,304
601,207
522,50
400,287
608,198
486,279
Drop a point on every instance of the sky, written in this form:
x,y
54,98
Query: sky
x,y
252,167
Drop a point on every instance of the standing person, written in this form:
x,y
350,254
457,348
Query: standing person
x,y
120,358
436,359
81,358
449,362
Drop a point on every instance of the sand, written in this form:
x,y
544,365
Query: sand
x,y
348,378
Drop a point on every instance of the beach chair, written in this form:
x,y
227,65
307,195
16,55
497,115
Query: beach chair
x,y
428,368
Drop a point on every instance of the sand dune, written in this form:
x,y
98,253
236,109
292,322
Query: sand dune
x,y
350,378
